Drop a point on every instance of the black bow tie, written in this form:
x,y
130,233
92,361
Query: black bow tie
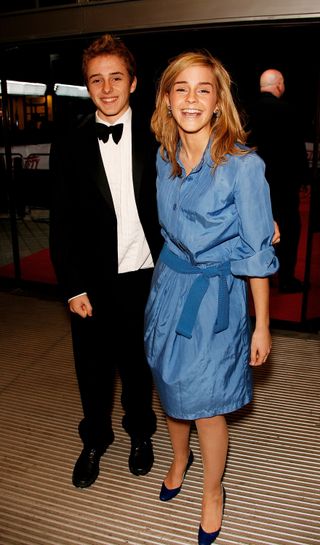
x,y
103,132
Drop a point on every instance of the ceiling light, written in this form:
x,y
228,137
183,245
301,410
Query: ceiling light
x,y
79,91
25,88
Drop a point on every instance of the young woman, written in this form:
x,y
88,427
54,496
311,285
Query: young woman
x,y
216,220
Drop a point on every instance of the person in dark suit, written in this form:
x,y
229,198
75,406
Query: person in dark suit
x,y
276,133
104,240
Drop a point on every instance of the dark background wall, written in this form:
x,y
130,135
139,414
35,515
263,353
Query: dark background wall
x,y
245,50
42,40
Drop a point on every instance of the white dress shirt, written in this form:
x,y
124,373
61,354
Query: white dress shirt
x,y
133,249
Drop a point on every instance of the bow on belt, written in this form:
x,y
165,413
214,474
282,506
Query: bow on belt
x,y
198,290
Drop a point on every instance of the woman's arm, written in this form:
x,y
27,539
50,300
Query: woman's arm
x,y
261,338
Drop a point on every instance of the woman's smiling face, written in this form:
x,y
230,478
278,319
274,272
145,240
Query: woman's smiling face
x,y
193,99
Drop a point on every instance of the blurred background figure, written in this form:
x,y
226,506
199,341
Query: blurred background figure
x,y
277,134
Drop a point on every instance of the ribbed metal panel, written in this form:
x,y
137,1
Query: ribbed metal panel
x,y
94,17
272,474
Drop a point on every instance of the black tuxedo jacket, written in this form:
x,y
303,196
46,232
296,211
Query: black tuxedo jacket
x,y
83,225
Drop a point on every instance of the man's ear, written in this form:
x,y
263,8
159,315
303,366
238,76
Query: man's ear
x,y
133,85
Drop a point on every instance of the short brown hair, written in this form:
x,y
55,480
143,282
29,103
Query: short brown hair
x,y
109,45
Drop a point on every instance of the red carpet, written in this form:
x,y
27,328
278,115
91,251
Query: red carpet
x,y
283,307
36,267
288,307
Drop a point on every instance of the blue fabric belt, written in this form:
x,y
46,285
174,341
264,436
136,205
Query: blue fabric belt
x,y
198,290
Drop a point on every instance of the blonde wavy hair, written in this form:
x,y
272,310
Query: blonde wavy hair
x,y
226,126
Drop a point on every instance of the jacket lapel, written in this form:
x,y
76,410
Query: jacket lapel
x,y
94,162
138,156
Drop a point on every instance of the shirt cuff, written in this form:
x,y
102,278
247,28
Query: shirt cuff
x,y
74,297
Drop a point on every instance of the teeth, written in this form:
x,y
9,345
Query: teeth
x,y
189,111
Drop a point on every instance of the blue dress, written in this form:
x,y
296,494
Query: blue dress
x,y
207,219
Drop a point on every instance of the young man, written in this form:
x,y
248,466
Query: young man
x,y
104,240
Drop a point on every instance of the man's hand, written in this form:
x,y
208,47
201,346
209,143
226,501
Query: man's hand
x,y
276,236
81,305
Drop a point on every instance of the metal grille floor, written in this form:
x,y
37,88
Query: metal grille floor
x,y
272,476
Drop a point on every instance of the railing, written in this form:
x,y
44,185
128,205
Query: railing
x,y
30,177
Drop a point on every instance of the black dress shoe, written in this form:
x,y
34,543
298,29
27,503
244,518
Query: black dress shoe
x,y
141,457
86,469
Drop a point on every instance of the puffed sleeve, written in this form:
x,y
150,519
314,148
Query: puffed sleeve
x,y
254,254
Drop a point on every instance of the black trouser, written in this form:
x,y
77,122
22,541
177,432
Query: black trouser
x,y
111,340
288,217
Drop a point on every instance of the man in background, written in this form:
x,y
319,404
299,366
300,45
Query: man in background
x,y
276,132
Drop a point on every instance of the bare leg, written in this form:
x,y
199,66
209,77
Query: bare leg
x,y
179,431
213,439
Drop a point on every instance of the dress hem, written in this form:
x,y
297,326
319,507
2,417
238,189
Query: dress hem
x,y
206,414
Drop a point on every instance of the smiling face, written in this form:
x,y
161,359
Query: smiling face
x,y
109,86
193,99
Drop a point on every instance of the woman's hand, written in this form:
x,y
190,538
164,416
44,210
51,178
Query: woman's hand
x,y
261,338
260,346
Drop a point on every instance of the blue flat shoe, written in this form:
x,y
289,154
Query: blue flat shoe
x,y
167,494
205,538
